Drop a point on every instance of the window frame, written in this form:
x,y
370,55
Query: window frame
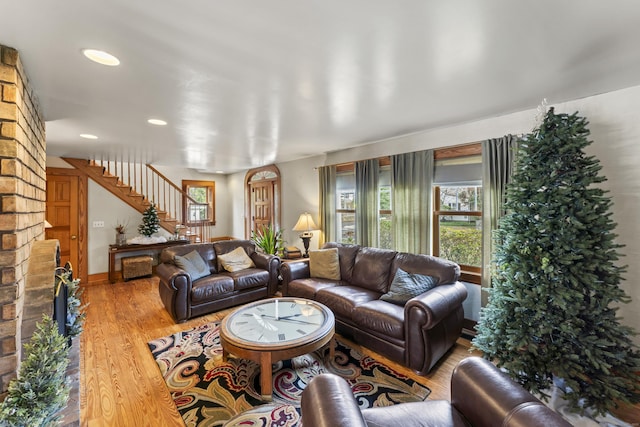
x,y
210,187
347,168
344,169
468,273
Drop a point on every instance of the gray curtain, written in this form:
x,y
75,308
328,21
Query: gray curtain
x,y
411,183
498,164
367,202
327,177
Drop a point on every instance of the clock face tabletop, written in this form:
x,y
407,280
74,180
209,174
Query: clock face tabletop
x,y
277,323
276,329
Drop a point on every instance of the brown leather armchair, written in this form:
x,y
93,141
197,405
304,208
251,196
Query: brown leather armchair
x,y
481,396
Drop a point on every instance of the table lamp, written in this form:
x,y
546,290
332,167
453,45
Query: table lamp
x,y
306,225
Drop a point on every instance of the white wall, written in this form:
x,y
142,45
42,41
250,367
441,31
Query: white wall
x,y
300,194
235,183
104,206
615,130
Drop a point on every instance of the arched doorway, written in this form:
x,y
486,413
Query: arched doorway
x,y
262,198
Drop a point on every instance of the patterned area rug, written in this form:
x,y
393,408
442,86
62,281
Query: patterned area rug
x,y
210,392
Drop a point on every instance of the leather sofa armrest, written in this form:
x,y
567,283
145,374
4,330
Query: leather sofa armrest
x,y
271,263
429,308
174,276
261,260
290,271
328,402
175,290
498,400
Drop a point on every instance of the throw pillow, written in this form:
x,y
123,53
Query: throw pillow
x,y
193,264
236,260
408,285
324,264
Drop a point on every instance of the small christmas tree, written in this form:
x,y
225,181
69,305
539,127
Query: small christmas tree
x,y
150,221
552,307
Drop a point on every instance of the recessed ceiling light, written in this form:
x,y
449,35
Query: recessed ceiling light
x,y
101,57
88,136
157,122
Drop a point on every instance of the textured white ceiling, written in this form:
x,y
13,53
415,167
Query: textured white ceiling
x,y
246,83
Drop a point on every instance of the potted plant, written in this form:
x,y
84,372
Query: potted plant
x,y
121,237
268,239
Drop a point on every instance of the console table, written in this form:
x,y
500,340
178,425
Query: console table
x,y
115,250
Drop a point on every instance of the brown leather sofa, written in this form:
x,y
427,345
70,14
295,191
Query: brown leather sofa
x,y
416,335
185,298
481,396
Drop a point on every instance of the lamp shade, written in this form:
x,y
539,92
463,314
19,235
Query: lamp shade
x,y
305,223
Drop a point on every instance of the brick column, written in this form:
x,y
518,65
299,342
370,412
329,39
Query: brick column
x,y
22,200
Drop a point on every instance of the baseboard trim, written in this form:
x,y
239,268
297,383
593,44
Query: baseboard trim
x,y
100,278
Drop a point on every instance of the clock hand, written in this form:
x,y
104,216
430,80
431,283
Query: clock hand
x,y
287,319
282,317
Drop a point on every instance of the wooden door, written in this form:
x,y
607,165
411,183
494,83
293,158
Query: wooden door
x,y
65,200
262,198
262,206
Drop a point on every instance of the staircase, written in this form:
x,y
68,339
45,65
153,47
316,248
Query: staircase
x,y
140,185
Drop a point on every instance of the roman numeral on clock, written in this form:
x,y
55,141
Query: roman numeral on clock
x,y
281,337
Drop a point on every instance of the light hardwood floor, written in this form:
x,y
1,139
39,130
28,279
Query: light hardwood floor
x,y
120,381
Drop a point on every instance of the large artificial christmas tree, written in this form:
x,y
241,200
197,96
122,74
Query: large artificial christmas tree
x,y
150,221
552,306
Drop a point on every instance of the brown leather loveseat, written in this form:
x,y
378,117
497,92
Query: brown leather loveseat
x,y
416,334
185,298
481,396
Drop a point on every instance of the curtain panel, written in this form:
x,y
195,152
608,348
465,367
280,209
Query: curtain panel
x,y
498,164
327,177
367,210
411,183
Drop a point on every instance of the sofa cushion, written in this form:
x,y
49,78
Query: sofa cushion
x,y
307,288
408,285
347,256
443,270
193,264
371,269
324,264
248,278
222,247
211,288
381,319
236,260
343,299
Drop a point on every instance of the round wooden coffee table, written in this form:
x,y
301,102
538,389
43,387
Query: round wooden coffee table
x,y
276,329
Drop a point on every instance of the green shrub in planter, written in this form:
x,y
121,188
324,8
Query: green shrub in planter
x,y
39,393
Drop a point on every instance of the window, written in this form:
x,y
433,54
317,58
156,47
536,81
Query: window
x,y
384,208
346,206
199,204
346,209
457,225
